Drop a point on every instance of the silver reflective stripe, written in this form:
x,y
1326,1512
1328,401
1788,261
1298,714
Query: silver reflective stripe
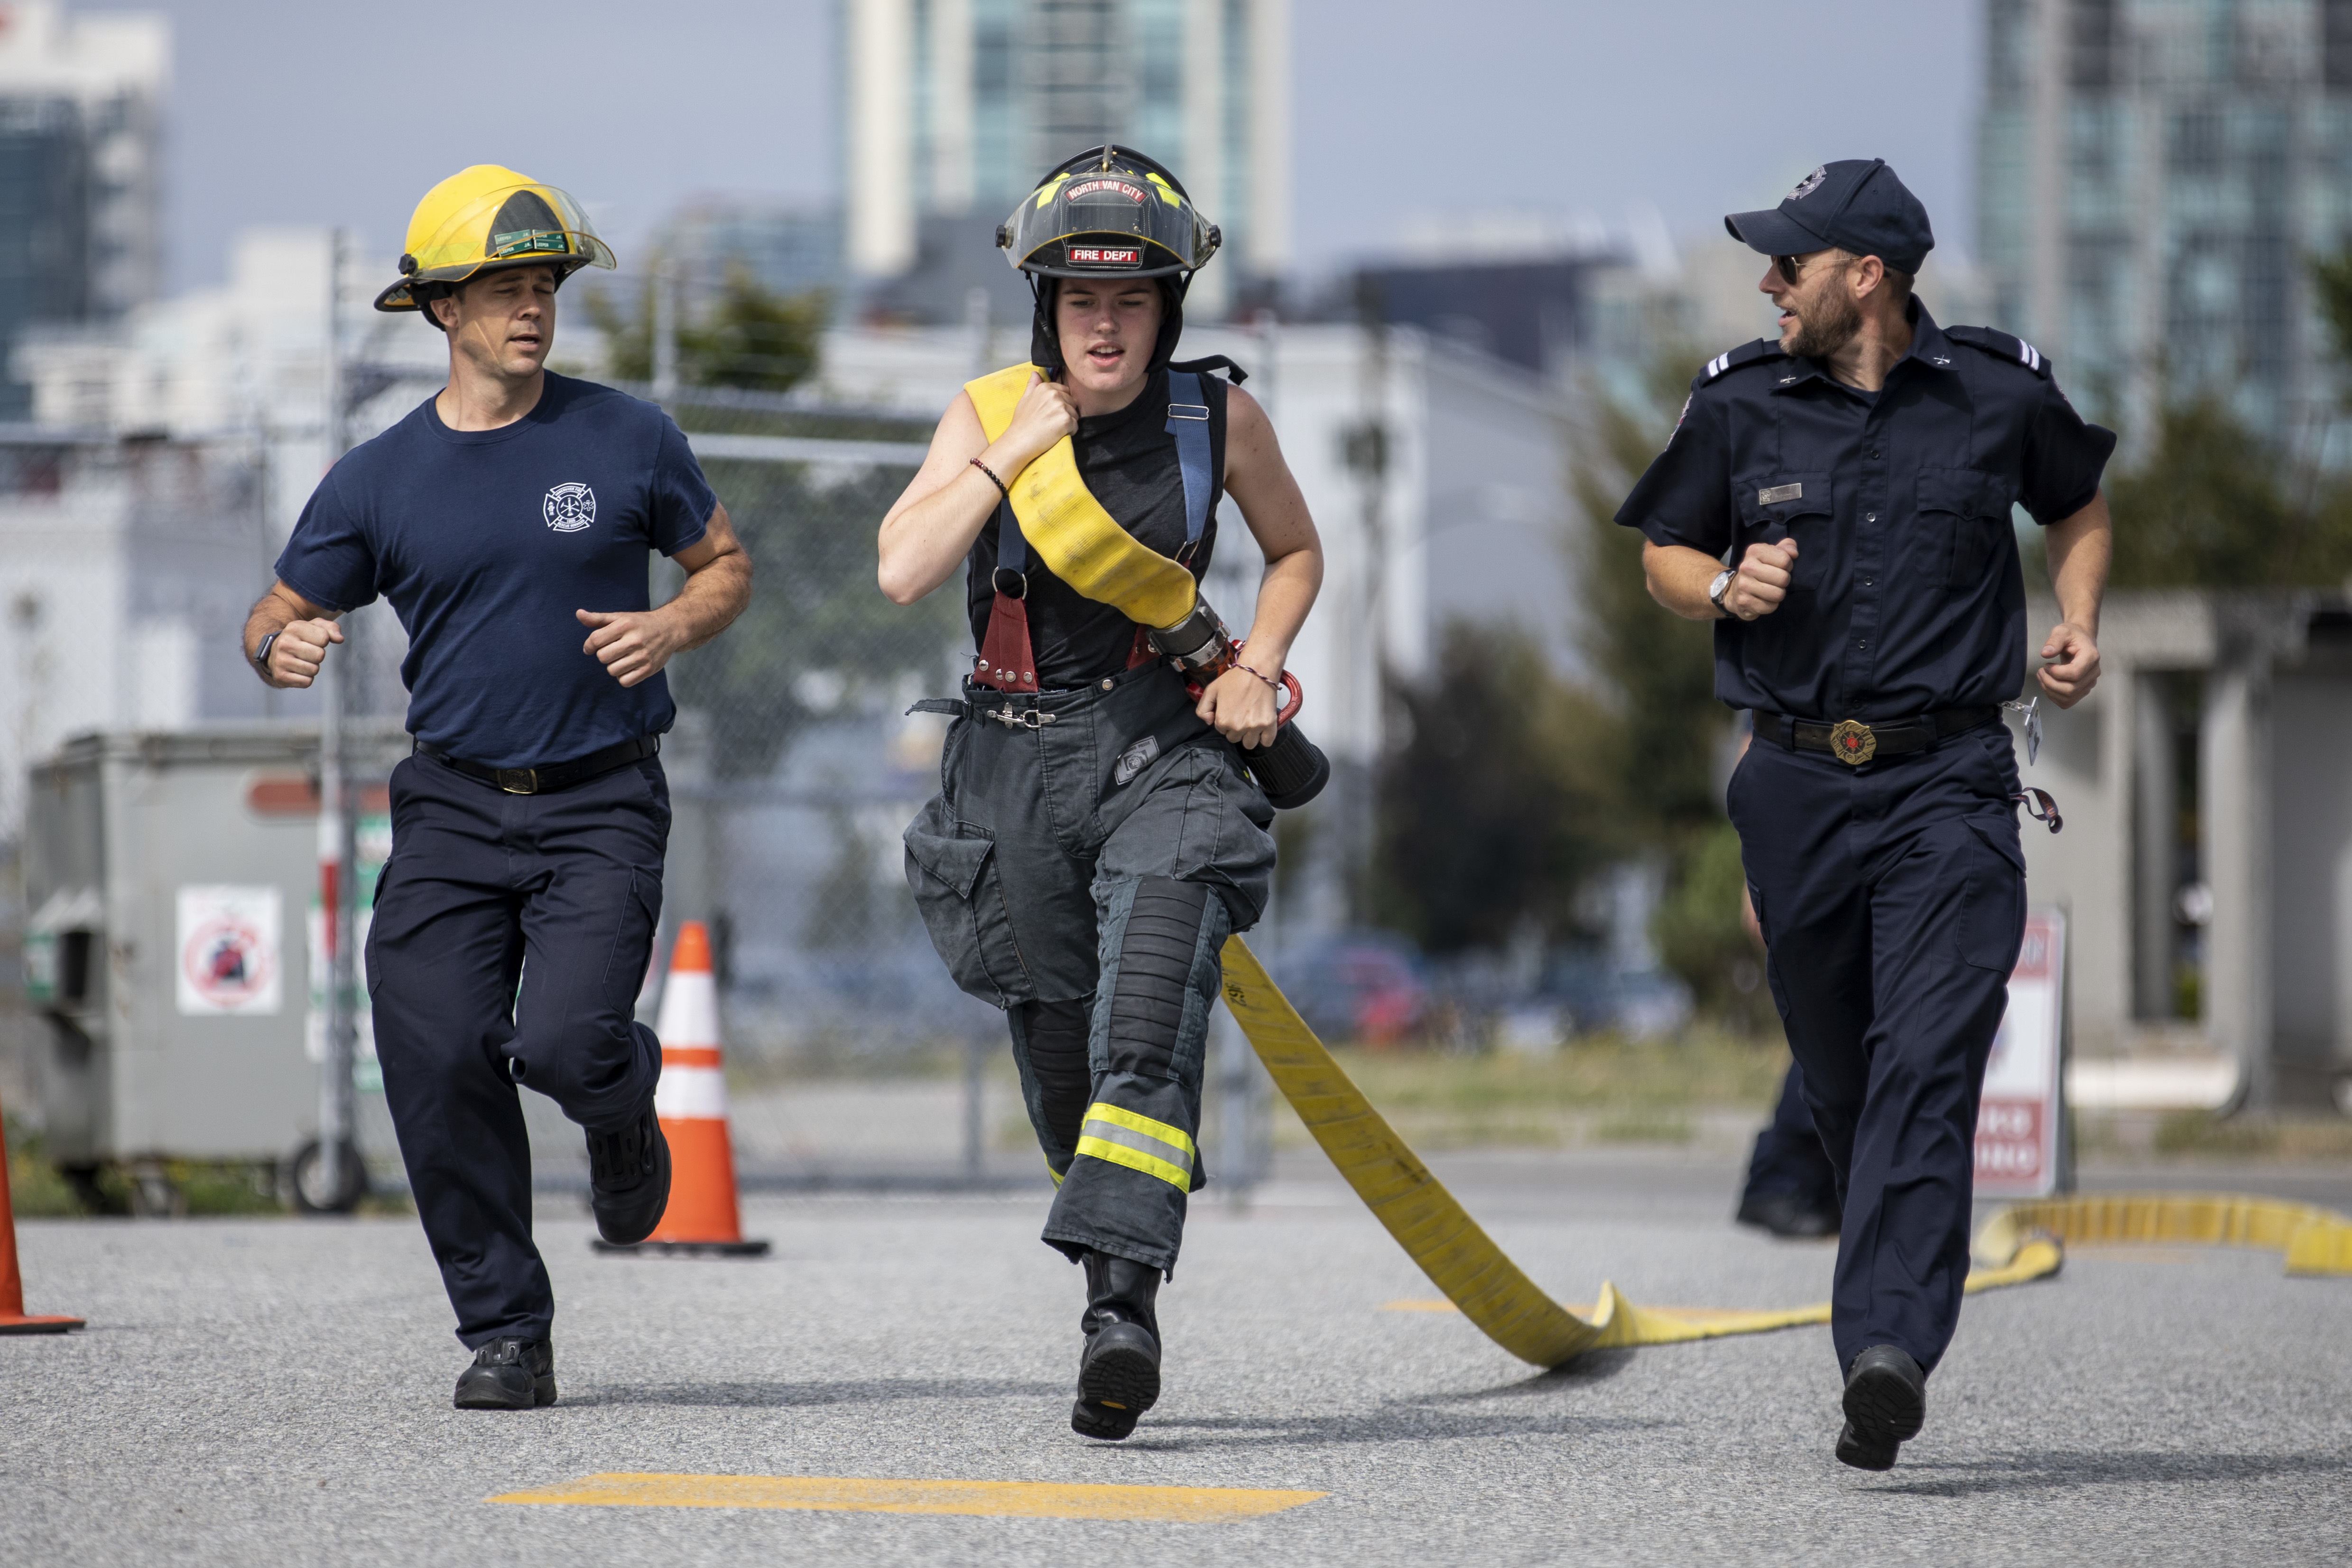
x,y
1174,1156
1779,493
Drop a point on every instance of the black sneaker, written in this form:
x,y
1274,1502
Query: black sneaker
x,y
508,1375
1790,1216
1118,1367
1886,1405
628,1179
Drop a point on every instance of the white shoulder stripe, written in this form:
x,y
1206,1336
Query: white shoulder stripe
x,y
2030,355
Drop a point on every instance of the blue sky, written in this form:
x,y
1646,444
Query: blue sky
x,y
303,111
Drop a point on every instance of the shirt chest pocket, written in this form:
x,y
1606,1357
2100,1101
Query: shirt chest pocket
x,y
1776,507
1963,515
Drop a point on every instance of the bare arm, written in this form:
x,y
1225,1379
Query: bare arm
x,y
2080,547
634,645
1240,706
1680,576
304,630
927,534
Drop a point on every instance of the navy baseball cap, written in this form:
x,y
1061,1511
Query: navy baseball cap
x,y
1855,204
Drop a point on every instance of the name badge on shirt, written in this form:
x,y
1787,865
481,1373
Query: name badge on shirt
x,y
1779,493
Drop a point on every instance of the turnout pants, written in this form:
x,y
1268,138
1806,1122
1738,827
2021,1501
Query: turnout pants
x,y
556,894
1892,897
1087,855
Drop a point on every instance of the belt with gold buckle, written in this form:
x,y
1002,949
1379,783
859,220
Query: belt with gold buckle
x,y
1854,743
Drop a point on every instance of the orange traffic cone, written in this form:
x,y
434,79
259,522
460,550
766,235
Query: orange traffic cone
x,y
702,1217
13,1320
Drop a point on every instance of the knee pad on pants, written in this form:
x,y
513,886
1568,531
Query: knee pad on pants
x,y
1049,1046
1160,956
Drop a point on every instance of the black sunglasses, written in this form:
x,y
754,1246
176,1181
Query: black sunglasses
x,y
1789,266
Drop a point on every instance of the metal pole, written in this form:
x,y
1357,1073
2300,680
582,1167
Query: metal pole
x,y
665,333
973,1130
335,857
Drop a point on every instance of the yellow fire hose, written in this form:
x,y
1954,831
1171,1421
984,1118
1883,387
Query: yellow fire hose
x,y
2021,1243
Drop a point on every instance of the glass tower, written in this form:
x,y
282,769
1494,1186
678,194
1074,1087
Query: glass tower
x,y
2154,177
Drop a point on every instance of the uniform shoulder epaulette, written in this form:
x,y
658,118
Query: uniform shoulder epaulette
x,y
2000,345
1732,359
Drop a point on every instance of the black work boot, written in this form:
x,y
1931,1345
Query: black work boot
x,y
628,1179
1886,1405
1790,1215
508,1375
1118,1366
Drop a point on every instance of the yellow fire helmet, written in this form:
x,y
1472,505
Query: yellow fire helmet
x,y
486,218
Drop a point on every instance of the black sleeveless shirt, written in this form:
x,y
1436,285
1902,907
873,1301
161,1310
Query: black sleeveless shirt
x,y
1128,460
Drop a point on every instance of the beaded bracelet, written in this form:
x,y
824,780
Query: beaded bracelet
x,y
993,480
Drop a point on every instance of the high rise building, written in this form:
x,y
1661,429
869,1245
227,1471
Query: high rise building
x,y
81,138
2153,176
953,108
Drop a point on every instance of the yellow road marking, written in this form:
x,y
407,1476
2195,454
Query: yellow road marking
x,y
852,1494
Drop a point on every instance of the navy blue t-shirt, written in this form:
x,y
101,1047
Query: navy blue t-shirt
x,y
486,542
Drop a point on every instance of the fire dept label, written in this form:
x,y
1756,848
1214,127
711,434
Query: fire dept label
x,y
2019,1117
230,954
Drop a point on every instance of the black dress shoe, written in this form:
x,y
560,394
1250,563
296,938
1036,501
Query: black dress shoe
x,y
628,1179
1790,1216
1118,1367
508,1375
1886,1405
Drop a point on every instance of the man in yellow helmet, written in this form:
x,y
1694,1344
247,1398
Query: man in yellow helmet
x,y
502,516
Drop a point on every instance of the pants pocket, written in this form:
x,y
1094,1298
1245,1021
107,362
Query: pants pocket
x,y
633,943
1992,899
950,867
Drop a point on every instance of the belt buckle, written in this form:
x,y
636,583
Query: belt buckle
x,y
1852,743
518,781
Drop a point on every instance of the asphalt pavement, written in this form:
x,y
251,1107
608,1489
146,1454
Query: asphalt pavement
x,y
278,1391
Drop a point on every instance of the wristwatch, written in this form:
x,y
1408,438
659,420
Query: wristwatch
x,y
261,655
1715,590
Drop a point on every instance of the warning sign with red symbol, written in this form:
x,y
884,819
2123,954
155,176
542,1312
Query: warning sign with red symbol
x,y
230,951
2019,1117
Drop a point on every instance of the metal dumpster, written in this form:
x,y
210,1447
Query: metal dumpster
x,y
171,880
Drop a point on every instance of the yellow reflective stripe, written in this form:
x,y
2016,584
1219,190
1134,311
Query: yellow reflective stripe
x,y
1124,1138
1119,1116
1137,1160
1049,1167
1082,544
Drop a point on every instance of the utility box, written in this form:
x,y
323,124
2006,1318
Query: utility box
x,y
174,943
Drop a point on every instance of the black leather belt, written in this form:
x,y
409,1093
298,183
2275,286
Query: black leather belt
x,y
555,775
1854,743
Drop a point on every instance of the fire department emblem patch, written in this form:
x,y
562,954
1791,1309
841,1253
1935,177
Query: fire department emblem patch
x,y
1135,759
570,507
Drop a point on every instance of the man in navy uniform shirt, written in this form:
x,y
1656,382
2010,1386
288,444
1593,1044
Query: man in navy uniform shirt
x,y
502,516
1839,503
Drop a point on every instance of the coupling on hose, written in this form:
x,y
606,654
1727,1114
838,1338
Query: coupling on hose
x,y
1293,770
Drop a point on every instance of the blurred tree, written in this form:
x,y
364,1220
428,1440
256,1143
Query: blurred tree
x,y
1659,669
1502,800
814,609
2217,504
1702,936
748,337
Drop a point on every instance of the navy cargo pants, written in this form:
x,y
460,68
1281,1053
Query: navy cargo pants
x,y
1084,860
1892,897
557,894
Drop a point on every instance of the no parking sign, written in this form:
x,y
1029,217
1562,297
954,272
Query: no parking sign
x,y
2019,1117
230,956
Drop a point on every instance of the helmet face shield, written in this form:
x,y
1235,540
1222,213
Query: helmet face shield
x,y
1120,215
489,218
